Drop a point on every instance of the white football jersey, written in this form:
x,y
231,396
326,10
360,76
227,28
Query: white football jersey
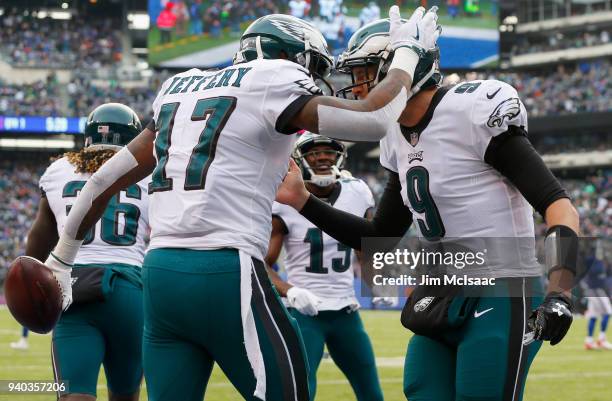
x,y
119,236
316,261
220,155
451,191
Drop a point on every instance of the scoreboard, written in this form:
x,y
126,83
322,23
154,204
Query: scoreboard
x,y
42,125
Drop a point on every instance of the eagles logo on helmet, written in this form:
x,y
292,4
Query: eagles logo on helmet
x,y
279,36
369,46
304,144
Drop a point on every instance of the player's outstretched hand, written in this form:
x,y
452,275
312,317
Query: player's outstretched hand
x,y
303,300
419,33
551,320
292,190
63,277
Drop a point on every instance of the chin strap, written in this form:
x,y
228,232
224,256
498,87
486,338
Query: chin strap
x,y
326,180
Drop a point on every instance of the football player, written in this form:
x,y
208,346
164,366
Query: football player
x,y
460,165
218,148
598,301
320,270
104,325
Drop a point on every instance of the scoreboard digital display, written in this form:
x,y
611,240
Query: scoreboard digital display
x,y
42,125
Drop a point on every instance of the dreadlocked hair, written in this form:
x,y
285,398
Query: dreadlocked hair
x,y
89,160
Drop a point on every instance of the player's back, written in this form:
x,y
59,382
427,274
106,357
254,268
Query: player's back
x,y
222,151
119,236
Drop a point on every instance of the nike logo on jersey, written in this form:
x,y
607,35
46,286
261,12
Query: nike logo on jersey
x,y
478,314
491,96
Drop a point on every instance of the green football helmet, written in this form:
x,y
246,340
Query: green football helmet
x,y
111,126
308,140
369,46
277,36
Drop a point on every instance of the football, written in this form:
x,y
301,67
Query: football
x,y
33,295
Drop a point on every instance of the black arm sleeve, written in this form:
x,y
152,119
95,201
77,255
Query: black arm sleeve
x,y
512,154
283,123
392,218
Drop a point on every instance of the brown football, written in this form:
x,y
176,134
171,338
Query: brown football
x,y
33,295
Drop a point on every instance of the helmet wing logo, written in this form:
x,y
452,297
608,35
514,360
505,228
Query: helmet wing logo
x,y
508,109
309,85
292,30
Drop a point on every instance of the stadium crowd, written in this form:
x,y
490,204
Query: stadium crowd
x,y
84,96
581,87
30,41
40,97
19,195
555,144
559,41
573,88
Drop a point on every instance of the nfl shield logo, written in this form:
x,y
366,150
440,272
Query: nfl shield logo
x,y
414,138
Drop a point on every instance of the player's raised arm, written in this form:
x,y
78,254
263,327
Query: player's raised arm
x,y
369,119
392,218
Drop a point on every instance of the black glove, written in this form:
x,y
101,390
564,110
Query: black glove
x,y
551,320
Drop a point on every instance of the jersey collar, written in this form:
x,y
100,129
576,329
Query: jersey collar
x,y
333,196
426,119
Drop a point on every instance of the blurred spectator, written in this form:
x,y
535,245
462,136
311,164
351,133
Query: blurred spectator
x,y
453,8
182,18
329,8
196,16
369,13
298,8
166,21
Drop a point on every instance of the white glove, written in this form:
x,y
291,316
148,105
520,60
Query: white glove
x,y
303,300
385,301
61,272
420,31
411,39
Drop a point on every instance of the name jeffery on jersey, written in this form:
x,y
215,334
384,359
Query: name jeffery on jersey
x,y
222,144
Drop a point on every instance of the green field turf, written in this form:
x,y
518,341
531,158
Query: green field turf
x,y
561,373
